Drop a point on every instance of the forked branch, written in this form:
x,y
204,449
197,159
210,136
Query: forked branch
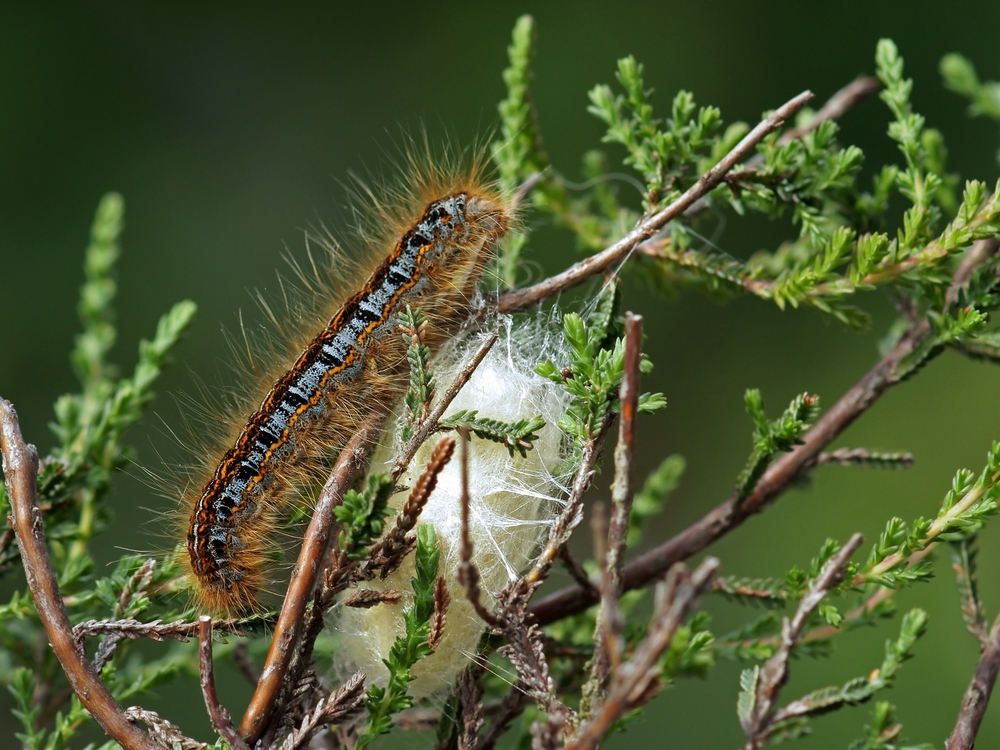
x,y
647,227
20,466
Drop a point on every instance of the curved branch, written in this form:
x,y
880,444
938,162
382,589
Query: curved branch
x,y
221,720
315,545
580,272
20,465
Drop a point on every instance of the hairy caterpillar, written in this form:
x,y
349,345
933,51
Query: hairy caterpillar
x,y
439,229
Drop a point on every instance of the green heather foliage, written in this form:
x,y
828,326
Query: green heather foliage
x,y
904,235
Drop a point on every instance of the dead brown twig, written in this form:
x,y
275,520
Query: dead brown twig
x,y
835,107
977,695
307,569
338,706
20,465
610,552
760,719
468,573
219,716
733,511
157,630
636,681
429,425
469,693
647,227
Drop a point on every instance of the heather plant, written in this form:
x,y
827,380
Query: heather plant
x,y
583,660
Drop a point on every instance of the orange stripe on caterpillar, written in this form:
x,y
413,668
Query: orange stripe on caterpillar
x,y
356,363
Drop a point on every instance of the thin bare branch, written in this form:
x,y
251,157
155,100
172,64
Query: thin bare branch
x,y
337,707
647,227
636,682
307,569
575,569
20,467
977,695
470,695
608,627
512,706
178,630
836,107
621,487
759,722
429,425
468,573
779,476
607,641
217,713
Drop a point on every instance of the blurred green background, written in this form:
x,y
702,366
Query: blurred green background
x,y
229,127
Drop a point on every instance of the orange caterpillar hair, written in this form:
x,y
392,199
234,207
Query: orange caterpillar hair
x,y
428,240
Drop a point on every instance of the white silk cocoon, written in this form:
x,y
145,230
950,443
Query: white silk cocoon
x,y
514,501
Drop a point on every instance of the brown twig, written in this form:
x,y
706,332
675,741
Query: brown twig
x,y
20,466
468,573
608,627
575,569
429,425
732,512
636,681
389,552
647,227
469,693
157,630
759,721
607,641
217,713
307,569
836,107
977,695
512,706
621,486
337,707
